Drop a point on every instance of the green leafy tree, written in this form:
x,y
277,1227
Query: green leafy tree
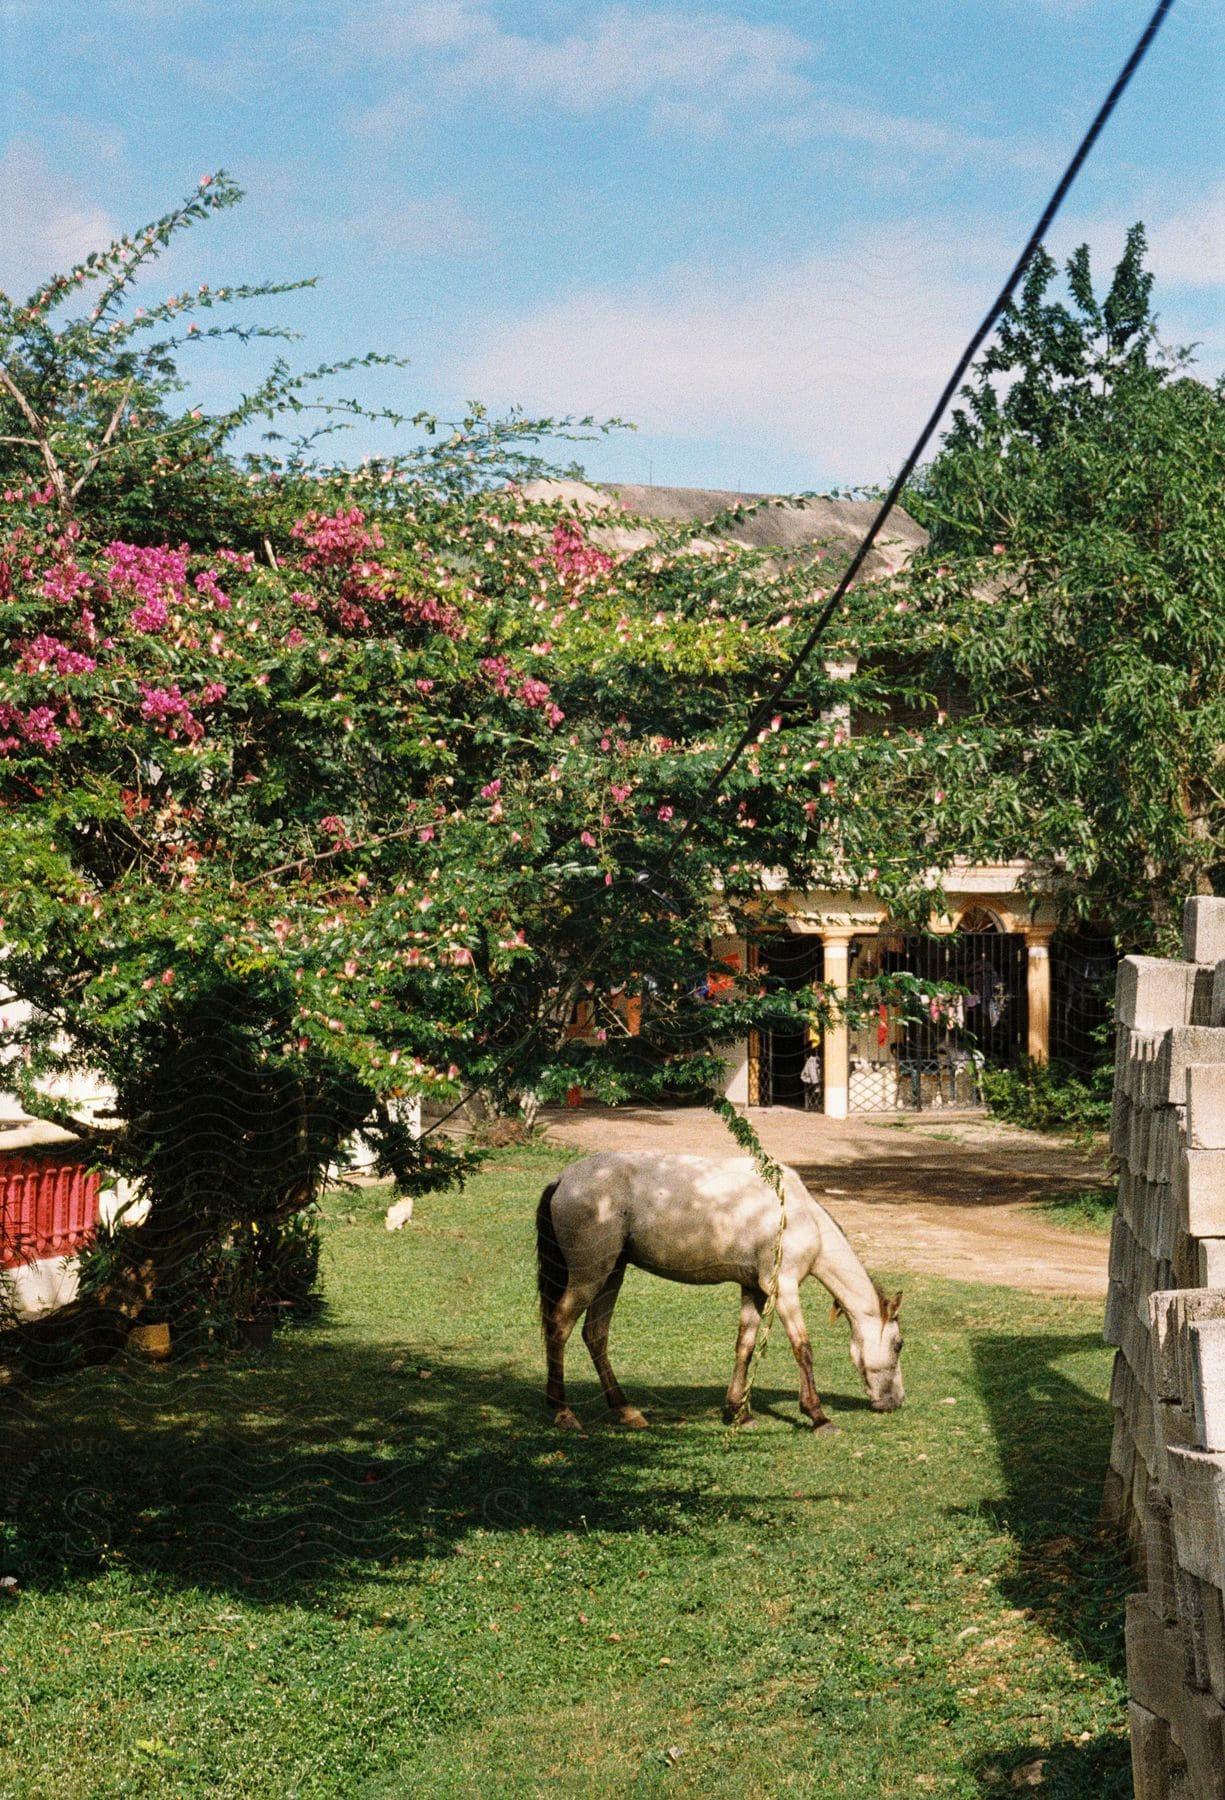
x,y
1073,604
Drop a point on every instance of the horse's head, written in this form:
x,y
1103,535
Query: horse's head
x,y
876,1349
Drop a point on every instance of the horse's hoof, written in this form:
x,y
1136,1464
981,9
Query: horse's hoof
x,y
629,1415
826,1425
741,1421
565,1420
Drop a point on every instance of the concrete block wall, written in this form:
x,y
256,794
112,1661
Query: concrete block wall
x,y
1165,1314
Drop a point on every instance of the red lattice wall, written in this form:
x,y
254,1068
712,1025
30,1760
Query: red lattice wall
x,y
48,1206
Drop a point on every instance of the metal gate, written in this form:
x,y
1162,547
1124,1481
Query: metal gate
x,y
914,1059
780,1055
1083,966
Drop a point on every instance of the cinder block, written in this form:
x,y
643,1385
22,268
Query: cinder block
x,y
1205,1121
1203,929
1210,1262
1189,1591
1200,1192
1182,1045
1172,1312
1159,1556
1150,1753
1214,1638
1172,1425
1196,1489
1207,1342
1202,996
1154,1660
1152,994
1201,1729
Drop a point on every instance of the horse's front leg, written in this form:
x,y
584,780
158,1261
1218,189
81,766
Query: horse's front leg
x,y
595,1335
792,1315
752,1300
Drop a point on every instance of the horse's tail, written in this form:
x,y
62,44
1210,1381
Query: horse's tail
x,y
552,1274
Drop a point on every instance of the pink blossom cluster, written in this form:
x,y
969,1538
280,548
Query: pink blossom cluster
x,y
45,653
497,672
166,706
574,558
206,583
536,694
336,539
35,727
148,573
65,582
427,609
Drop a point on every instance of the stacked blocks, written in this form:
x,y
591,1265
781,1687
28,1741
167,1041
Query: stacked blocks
x,y
1165,1314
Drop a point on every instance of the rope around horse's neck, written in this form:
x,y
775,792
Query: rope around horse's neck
x,y
772,1174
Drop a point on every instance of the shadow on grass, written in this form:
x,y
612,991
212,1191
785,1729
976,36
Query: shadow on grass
x,y
1053,1443
287,1474
1097,1770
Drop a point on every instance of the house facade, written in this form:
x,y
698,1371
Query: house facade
x,y
993,940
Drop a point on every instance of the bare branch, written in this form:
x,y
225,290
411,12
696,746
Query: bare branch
x,y
107,435
40,436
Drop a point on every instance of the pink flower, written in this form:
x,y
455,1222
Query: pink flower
x,y
997,549
167,977
533,692
491,789
664,813
48,653
621,792
586,838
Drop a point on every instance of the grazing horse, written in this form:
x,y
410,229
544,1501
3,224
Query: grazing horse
x,y
691,1219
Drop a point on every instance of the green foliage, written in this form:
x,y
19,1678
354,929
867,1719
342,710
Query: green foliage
x,y
1074,600
1049,1096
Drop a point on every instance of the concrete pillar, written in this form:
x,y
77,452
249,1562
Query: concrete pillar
x,y
835,1048
1038,984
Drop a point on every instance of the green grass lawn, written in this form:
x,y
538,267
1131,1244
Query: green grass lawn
x,y
364,1564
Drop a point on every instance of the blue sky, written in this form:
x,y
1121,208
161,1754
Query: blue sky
x,y
761,231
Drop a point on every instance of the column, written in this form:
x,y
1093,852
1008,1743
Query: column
x,y
836,944
736,1058
1038,990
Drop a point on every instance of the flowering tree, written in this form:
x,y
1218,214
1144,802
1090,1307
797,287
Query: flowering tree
x,y
322,790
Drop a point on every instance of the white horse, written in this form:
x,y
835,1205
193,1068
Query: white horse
x,y
693,1220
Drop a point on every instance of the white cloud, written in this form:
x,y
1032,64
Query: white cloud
x,y
695,73
1188,247
45,223
835,357
615,58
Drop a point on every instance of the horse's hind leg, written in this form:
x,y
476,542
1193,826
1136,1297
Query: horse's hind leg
x,y
562,1317
751,1302
595,1336
792,1315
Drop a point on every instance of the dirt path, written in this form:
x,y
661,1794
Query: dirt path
x,y
944,1197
